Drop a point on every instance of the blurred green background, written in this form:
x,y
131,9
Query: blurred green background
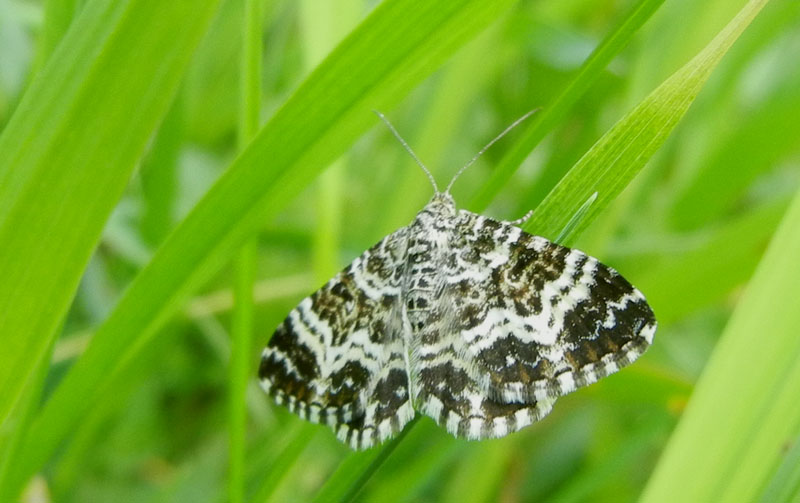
x,y
156,410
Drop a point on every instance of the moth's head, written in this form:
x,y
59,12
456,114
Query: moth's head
x,y
443,204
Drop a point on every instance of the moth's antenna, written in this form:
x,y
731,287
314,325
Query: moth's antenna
x,y
484,149
408,149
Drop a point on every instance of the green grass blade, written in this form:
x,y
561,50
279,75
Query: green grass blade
x,y
117,71
158,173
543,122
241,331
352,474
58,15
355,471
240,367
250,73
725,176
480,473
267,483
420,462
588,483
245,262
400,43
324,24
733,434
624,150
785,485
11,438
683,281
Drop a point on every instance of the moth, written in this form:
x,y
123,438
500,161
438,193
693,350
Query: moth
x,y
466,319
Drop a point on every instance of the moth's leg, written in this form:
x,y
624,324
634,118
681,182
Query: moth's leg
x,y
522,220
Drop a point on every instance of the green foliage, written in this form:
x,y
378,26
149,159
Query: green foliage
x,y
113,391
742,446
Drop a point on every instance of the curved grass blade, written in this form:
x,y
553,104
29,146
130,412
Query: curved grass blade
x,y
480,472
543,122
11,440
681,281
401,42
623,151
354,472
785,484
67,154
419,464
267,483
743,412
58,15
716,187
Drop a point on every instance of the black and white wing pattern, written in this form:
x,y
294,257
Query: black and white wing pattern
x,y
469,320
339,358
524,321
450,390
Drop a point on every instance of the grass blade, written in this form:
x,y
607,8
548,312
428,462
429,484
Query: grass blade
x,y
323,27
117,70
245,262
11,439
354,472
685,280
58,15
734,431
785,485
420,462
240,367
480,474
716,188
624,150
543,122
268,483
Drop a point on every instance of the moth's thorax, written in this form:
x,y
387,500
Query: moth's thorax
x,y
428,246
429,235
438,214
